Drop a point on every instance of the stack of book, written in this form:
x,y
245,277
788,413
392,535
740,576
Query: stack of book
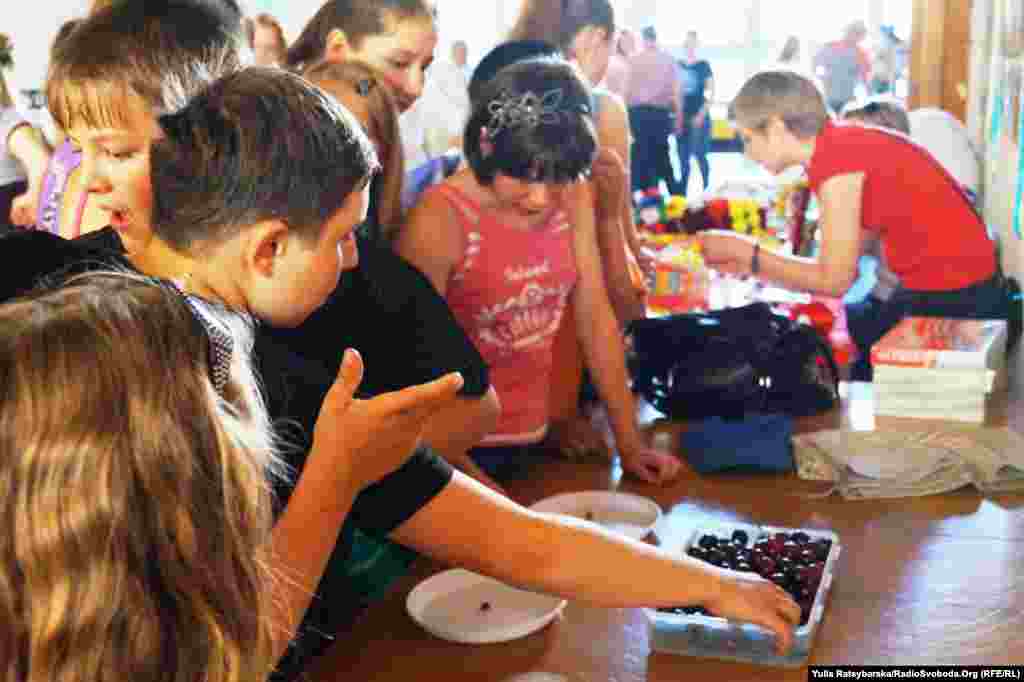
x,y
939,368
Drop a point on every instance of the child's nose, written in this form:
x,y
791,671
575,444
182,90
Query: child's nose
x,y
95,178
412,84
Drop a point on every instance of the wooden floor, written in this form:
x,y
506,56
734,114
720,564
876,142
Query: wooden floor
x,y
933,580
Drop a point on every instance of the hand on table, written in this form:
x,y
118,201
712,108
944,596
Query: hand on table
x,y
749,598
376,435
650,464
726,251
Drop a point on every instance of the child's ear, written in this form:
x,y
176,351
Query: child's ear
x,y
266,243
337,47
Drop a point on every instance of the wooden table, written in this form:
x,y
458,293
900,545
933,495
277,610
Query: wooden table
x,y
933,580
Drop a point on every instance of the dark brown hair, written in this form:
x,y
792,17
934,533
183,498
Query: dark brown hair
x,y
259,144
883,113
559,147
357,19
557,22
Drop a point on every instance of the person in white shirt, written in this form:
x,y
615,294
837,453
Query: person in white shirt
x,y
434,123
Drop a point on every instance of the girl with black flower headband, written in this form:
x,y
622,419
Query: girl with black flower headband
x,y
510,241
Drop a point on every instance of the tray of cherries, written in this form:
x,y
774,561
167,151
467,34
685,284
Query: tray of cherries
x,y
800,560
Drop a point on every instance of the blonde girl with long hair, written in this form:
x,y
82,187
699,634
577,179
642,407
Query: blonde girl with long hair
x,y
134,451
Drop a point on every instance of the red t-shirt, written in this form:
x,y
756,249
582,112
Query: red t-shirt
x,y
931,236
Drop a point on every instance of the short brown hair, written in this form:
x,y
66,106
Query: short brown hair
x,y
258,144
558,23
783,94
880,112
161,52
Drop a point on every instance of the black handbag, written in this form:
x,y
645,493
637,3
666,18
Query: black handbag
x,y
731,363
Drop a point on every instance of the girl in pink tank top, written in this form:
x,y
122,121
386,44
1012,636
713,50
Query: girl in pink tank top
x,y
510,240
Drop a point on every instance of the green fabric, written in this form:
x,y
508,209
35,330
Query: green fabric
x,y
375,563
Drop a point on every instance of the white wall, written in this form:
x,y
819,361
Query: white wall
x,y
32,26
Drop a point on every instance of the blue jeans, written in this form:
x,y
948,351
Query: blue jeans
x,y
869,320
694,141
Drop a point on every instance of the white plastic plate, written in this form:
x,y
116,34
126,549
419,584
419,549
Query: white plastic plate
x,y
624,513
462,606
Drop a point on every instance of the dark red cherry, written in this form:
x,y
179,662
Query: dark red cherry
x,y
791,550
697,552
800,537
805,610
814,573
765,564
728,550
708,541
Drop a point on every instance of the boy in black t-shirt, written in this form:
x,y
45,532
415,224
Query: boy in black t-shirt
x,y
277,272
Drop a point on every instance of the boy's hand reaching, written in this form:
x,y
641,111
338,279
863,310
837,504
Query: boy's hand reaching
x,y
749,598
377,435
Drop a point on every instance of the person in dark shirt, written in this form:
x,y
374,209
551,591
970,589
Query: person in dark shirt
x,y
698,87
422,504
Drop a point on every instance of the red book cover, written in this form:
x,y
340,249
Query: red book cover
x,y
941,342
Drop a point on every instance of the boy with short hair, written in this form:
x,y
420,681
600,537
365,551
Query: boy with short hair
x,y
110,79
868,182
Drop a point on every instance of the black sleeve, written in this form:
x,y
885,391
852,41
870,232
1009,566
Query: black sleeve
x,y
33,259
391,501
390,312
294,391
415,338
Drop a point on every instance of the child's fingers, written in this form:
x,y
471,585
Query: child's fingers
x,y
424,397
